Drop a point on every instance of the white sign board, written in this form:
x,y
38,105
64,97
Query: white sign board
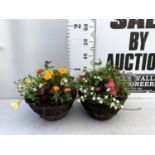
x,y
128,43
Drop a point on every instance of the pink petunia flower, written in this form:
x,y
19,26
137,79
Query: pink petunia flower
x,y
113,91
110,83
98,89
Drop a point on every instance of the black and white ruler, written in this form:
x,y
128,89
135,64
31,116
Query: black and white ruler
x,y
81,44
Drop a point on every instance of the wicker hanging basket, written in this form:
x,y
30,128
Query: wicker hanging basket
x,y
53,112
99,111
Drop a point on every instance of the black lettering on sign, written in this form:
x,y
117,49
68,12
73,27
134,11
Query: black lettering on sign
x,y
139,23
118,24
134,40
132,24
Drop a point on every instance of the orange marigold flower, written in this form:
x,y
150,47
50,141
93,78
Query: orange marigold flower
x,y
40,70
66,90
63,70
49,74
56,88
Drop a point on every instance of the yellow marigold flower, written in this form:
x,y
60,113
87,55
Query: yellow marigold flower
x,y
49,74
63,70
66,90
40,70
50,71
15,105
56,88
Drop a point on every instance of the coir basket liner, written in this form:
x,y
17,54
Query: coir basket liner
x,y
51,112
99,111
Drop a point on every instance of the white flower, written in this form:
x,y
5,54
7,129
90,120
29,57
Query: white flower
x,y
115,107
40,85
81,89
21,87
98,98
117,101
82,98
92,88
85,96
98,77
94,98
65,80
86,80
100,101
34,89
112,105
114,99
85,91
91,93
122,106
106,97
95,77
108,89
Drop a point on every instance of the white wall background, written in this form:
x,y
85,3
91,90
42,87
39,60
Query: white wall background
x,y
25,45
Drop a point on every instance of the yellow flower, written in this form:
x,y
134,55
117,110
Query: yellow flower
x,y
49,74
63,70
50,71
15,105
28,81
66,90
56,88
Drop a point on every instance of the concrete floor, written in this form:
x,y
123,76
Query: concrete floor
x,y
25,121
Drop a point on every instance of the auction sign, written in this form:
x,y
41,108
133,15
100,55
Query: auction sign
x,y
130,45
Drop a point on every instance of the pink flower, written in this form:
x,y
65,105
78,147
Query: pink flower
x,y
98,89
113,91
110,83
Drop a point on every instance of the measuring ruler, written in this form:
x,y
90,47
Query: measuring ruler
x,y
81,45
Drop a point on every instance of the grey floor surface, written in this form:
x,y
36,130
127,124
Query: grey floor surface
x,y
24,121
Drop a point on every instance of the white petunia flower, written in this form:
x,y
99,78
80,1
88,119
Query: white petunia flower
x,y
82,98
85,96
122,106
115,107
101,101
108,89
65,80
93,98
85,91
112,105
117,101
40,85
98,77
86,80
91,93
95,77
98,98
106,97
92,88
114,99
34,89
81,89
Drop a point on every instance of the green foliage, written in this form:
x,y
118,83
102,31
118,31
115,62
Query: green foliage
x,y
58,85
105,85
